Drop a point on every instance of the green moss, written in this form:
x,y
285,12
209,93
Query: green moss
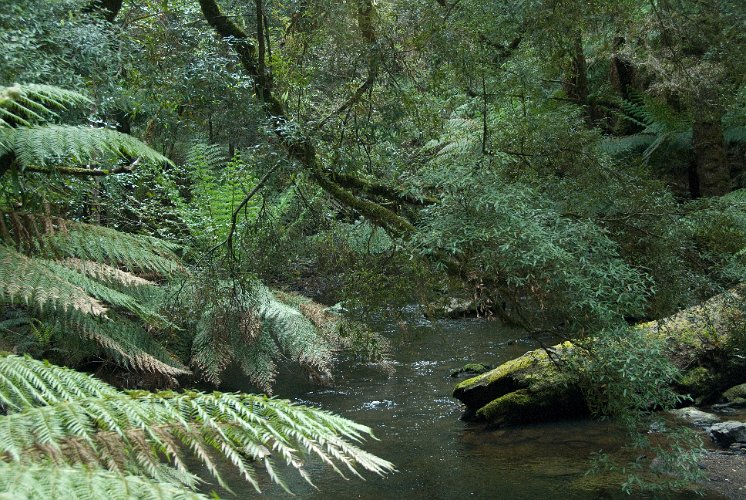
x,y
736,394
471,368
512,406
533,361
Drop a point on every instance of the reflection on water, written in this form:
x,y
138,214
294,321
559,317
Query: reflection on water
x,y
417,422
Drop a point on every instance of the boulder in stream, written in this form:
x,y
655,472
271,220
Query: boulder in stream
x,y
696,417
526,389
470,369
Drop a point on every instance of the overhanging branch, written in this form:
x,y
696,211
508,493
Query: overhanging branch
x,y
299,147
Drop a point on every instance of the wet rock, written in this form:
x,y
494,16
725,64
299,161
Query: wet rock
x,y
727,433
526,389
470,369
696,417
736,396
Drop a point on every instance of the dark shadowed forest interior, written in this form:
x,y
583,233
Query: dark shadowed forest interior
x,y
372,249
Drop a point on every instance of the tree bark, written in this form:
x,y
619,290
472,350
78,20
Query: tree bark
x,y
709,148
576,81
110,8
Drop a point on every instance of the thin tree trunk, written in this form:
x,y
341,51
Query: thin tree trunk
x,y
709,149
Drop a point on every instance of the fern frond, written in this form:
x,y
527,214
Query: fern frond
x,y
30,104
108,295
27,383
107,274
57,238
52,481
297,336
150,427
115,248
626,144
32,282
210,156
126,343
55,144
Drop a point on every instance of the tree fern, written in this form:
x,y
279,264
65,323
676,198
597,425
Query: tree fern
x,y
217,187
663,129
296,335
210,157
57,413
107,274
249,325
30,282
26,132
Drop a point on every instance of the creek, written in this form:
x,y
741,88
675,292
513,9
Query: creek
x,y
417,422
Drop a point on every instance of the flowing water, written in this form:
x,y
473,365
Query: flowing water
x,y
436,454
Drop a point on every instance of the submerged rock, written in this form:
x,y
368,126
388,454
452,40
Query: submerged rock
x,y
532,387
470,369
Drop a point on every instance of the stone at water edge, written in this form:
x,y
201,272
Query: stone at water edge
x,y
526,389
727,433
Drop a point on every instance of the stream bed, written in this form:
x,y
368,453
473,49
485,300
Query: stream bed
x,y
417,423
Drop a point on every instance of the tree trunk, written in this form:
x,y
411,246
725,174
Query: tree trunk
x,y
709,149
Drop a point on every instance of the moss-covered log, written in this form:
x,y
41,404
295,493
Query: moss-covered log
x,y
705,342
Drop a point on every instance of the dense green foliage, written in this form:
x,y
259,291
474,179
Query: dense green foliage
x,y
166,168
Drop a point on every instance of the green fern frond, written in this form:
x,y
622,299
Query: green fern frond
x,y
127,344
257,360
108,295
107,274
626,144
27,383
30,104
209,156
33,283
53,481
296,336
57,238
461,136
115,248
150,427
653,115
228,330
59,144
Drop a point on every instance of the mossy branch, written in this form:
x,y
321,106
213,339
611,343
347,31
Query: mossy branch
x,y
299,148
